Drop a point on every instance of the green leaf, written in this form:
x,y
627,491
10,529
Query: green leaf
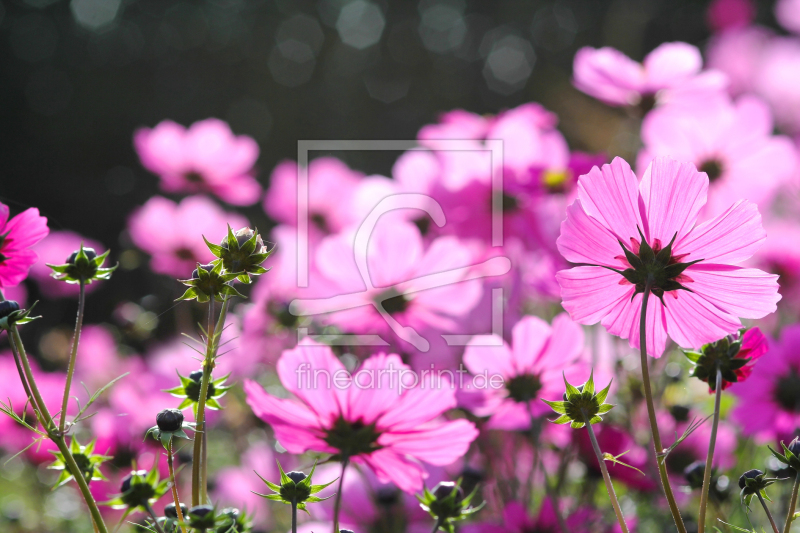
x,y
615,459
603,394
606,407
570,389
215,248
588,387
190,294
563,419
558,407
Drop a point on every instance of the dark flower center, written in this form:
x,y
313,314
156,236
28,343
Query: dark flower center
x,y
556,181
679,459
787,391
193,177
387,496
510,203
280,312
319,221
352,438
712,167
523,388
654,265
424,224
392,301
647,103
184,253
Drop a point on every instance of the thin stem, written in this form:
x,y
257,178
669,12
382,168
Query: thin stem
x,y
294,515
766,510
152,514
651,412
199,488
175,497
337,506
50,428
76,337
701,521
604,469
436,526
792,504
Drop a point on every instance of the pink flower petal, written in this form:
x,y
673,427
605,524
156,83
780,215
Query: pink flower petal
x,y
610,194
729,238
744,292
692,321
590,293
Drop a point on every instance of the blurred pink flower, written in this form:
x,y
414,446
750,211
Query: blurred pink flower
x,y
769,401
731,142
616,440
387,424
173,233
695,447
614,78
331,185
777,80
235,485
738,53
517,520
17,236
396,257
207,157
730,14
788,14
608,220
518,376
781,255
98,360
55,249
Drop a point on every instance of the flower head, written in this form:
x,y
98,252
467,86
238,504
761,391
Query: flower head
x,y
210,281
735,355
447,504
10,314
88,462
371,424
169,424
295,489
754,482
206,157
241,252
581,405
790,455
139,490
16,237
83,266
190,387
622,233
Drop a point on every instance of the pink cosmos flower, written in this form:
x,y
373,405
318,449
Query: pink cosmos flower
x,y
519,375
173,233
207,157
698,293
55,249
16,238
517,520
730,142
769,401
777,79
614,78
723,15
331,185
380,419
781,255
397,260
788,14
738,53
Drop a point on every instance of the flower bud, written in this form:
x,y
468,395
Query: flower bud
x,y
446,505
566,397
202,517
88,252
794,446
346,531
694,474
170,511
295,476
136,494
750,474
7,307
169,420
208,268
193,388
387,496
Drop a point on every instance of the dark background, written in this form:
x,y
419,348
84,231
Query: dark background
x,y
79,76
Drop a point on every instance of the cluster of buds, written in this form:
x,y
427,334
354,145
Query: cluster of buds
x,y
239,257
139,490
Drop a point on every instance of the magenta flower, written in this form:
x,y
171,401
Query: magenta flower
x,y
699,290
173,233
725,15
517,520
16,238
55,249
207,157
769,401
738,53
614,78
530,369
373,420
730,142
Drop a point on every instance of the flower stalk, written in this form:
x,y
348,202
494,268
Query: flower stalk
x,y
769,514
338,503
47,423
792,504
651,411
607,478
701,521
172,482
73,356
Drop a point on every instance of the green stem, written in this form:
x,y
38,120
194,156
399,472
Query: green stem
x,y
436,526
73,356
57,438
294,515
175,497
337,506
651,411
766,510
152,514
792,504
701,521
606,477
